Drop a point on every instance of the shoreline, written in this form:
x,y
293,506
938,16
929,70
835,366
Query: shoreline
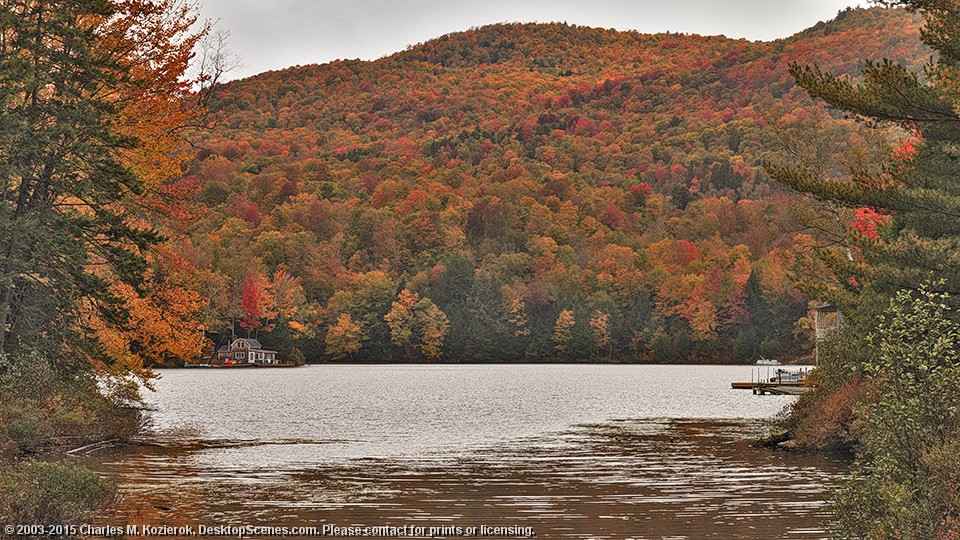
x,y
798,363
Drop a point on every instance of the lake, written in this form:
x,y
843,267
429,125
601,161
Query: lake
x,y
568,451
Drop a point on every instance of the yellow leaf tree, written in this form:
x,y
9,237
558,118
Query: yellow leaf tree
x,y
563,331
433,325
517,314
600,326
417,325
401,318
345,337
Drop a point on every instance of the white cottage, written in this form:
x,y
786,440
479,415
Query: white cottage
x,y
247,351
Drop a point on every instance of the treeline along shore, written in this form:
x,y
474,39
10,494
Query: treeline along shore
x,y
512,193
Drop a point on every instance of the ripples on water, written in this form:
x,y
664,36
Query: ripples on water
x,y
573,451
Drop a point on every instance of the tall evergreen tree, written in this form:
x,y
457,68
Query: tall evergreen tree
x,y
759,325
906,227
61,173
73,76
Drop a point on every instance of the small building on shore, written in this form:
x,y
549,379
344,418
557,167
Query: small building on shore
x,y
827,320
247,351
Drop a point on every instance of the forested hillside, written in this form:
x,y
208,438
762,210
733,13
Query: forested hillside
x,y
528,192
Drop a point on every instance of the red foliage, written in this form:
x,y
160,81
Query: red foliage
x,y
612,216
251,212
288,189
416,200
825,422
686,252
906,150
250,302
175,200
641,192
245,209
868,220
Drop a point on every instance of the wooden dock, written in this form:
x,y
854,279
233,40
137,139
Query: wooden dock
x,y
783,383
774,388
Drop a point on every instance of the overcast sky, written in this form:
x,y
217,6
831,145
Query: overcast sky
x,y
275,34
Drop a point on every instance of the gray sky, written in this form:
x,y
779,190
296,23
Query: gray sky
x,y
281,33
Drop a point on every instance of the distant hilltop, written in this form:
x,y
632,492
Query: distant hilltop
x,y
529,192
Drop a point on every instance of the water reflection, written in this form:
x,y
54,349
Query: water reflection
x,y
572,451
622,479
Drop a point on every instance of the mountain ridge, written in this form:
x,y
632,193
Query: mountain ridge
x,y
845,19
564,168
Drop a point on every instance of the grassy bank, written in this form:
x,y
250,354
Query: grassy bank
x,y
47,409
890,397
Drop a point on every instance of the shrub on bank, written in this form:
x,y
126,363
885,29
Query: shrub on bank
x,y
906,478
48,407
51,492
824,420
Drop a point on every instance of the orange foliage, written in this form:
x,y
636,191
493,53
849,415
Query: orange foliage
x,y
568,164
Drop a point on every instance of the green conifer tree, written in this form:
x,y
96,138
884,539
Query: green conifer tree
x,y
907,212
61,177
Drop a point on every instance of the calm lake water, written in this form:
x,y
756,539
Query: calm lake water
x,y
571,451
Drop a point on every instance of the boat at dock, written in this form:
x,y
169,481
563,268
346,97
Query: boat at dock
x,y
195,366
233,365
782,382
785,375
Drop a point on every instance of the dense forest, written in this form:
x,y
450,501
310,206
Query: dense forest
x,y
528,192
509,193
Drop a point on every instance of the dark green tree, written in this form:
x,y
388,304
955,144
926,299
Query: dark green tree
x,y
681,196
917,187
758,324
62,178
722,175
452,292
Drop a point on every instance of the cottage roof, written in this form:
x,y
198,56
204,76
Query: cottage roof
x,y
224,348
254,345
251,343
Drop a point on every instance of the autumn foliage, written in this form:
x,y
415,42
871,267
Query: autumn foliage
x,y
518,180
